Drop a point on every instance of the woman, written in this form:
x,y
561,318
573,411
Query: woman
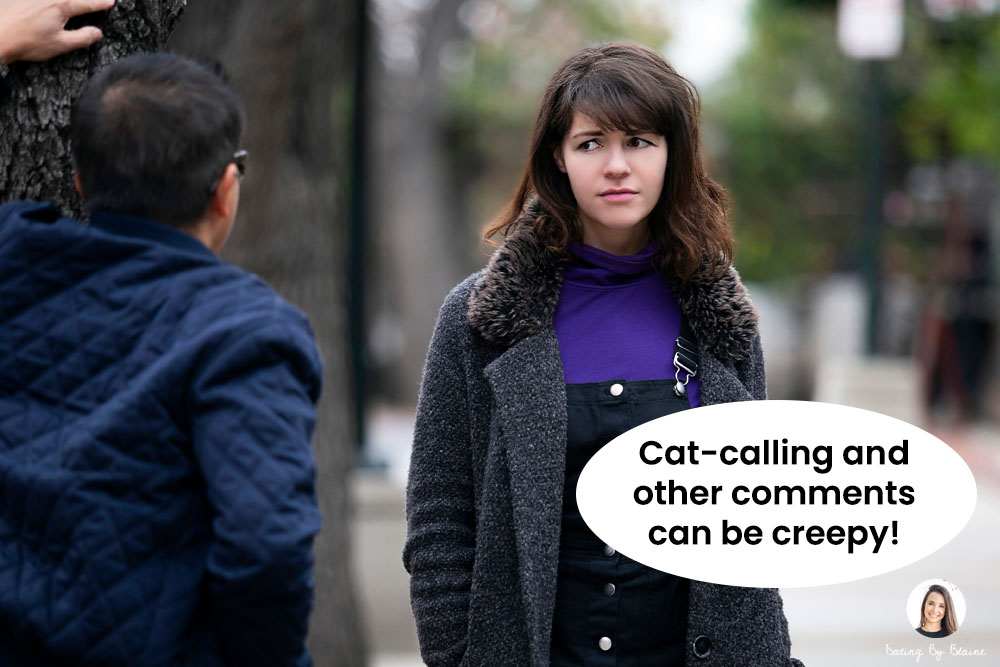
x,y
609,303
937,613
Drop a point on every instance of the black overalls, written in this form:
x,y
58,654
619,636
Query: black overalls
x,y
611,610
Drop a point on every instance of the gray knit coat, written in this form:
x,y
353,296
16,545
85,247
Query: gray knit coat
x,y
484,498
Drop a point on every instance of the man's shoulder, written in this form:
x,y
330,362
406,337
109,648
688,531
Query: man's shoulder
x,y
22,208
142,287
28,211
238,308
236,298
242,323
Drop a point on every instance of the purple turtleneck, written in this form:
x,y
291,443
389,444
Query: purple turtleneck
x,y
617,319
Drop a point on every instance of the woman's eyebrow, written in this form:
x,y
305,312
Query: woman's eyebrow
x,y
588,133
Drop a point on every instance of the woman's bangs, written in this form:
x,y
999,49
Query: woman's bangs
x,y
617,108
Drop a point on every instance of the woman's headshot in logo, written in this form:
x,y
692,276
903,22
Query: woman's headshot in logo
x,y
938,614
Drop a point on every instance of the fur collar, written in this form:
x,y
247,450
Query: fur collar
x,y
515,296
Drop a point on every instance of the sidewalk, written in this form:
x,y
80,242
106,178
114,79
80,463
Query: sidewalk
x,y
379,529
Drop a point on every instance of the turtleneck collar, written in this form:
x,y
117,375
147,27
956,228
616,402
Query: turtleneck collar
x,y
594,267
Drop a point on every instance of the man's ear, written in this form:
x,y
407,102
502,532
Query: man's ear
x,y
224,201
77,185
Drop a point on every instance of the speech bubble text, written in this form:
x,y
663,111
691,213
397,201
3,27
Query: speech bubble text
x,y
776,493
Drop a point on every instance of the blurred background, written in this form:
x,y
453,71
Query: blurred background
x,y
859,140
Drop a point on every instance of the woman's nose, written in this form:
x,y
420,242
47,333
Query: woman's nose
x,y
617,164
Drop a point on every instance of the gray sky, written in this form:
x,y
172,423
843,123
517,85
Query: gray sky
x,y
707,35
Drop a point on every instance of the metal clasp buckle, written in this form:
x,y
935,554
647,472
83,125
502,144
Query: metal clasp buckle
x,y
685,359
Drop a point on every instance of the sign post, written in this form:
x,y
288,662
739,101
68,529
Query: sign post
x,y
872,30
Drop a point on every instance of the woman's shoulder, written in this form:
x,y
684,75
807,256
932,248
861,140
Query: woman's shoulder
x,y
456,302
453,318
455,334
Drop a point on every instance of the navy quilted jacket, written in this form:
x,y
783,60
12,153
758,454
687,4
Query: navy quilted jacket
x,y
157,501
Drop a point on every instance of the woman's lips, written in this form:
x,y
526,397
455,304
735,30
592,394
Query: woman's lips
x,y
618,195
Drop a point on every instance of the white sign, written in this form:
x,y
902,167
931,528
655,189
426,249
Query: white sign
x,y
870,29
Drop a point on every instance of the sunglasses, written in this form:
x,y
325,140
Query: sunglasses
x,y
239,158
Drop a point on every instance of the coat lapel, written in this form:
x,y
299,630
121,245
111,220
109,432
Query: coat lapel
x,y
530,393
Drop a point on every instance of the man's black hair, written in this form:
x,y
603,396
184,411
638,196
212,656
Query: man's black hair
x,y
151,136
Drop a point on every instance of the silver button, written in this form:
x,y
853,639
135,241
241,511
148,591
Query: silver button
x,y
617,389
609,589
609,550
605,643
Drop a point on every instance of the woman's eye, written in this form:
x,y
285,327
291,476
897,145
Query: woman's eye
x,y
589,145
639,142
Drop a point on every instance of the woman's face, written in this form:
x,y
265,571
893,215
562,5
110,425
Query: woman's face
x,y
934,608
617,178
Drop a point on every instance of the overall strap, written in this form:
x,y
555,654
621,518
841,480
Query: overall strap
x,y
685,358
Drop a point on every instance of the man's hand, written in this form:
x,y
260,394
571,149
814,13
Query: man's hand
x,y
36,29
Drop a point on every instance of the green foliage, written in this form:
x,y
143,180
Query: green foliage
x,y
790,119
952,110
793,127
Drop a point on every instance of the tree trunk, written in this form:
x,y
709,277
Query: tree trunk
x,y
35,158
414,200
290,62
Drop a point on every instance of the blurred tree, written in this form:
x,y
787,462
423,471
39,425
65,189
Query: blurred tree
x,y
950,123
35,158
951,105
290,62
790,117
790,123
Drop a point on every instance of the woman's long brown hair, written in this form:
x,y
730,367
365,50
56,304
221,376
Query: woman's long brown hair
x,y
628,87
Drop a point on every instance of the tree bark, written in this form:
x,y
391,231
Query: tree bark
x,y
35,160
290,62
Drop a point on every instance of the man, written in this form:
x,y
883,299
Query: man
x,y
157,501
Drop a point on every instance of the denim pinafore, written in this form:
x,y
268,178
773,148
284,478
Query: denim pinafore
x,y
611,317
611,610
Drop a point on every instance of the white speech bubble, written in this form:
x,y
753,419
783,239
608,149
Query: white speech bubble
x,y
889,513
